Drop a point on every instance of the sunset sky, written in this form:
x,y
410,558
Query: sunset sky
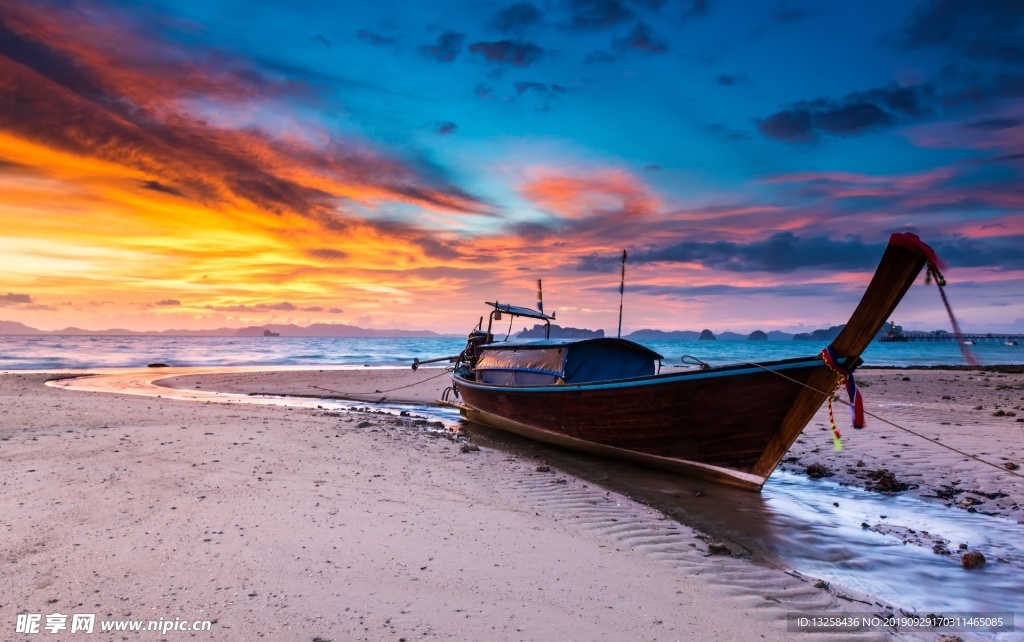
x,y
206,163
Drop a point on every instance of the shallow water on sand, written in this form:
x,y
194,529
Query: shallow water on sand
x,y
861,544
141,382
794,524
872,543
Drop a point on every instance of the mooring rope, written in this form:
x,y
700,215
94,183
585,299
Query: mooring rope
x,y
380,392
894,425
958,335
910,241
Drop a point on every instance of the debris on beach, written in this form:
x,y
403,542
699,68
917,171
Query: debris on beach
x,y
949,491
817,471
973,559
883,481
992,495
924,539
719,549
470,448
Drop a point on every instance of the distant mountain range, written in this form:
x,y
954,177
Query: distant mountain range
x,y
691,335
558,332
269,330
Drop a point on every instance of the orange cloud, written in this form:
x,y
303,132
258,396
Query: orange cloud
x,y
110,182
77,91
598,194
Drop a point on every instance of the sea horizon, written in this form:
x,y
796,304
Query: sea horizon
x,y
73,352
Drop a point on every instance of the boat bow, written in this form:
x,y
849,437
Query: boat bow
x,y
900,266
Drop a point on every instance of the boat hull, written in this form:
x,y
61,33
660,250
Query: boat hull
x,y
716,424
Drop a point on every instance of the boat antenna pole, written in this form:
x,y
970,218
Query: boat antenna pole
x,y
622,290
540,308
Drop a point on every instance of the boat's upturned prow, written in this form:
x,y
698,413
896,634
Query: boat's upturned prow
x,y
730,424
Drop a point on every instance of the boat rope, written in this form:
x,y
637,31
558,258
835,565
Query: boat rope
x,y
694,361
377,392
837,443
845,377
895,425
912,242
940,281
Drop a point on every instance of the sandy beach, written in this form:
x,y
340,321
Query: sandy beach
x,y
978,412
284,523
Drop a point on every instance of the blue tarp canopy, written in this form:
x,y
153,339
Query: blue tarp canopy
x,y
602,359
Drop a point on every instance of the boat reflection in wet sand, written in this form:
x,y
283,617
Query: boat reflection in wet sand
x,y
730,424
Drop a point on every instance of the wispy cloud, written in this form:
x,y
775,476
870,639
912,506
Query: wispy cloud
x,y
982,30
445,127
643,39
732,80
283,306
598,14
853,114
15,299
374,38
517,17
780,252
508,52
447,47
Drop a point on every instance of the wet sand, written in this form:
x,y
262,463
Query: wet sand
x,y
295,524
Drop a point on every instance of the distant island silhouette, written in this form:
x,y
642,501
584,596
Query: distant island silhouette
x,y
558,332
267,330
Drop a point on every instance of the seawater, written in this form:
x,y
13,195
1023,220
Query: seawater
x,y
77,352
71,352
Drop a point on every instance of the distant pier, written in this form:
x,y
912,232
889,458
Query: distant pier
x,y
941,336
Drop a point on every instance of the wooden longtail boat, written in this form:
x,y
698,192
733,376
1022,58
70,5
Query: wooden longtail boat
x,y
730,424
